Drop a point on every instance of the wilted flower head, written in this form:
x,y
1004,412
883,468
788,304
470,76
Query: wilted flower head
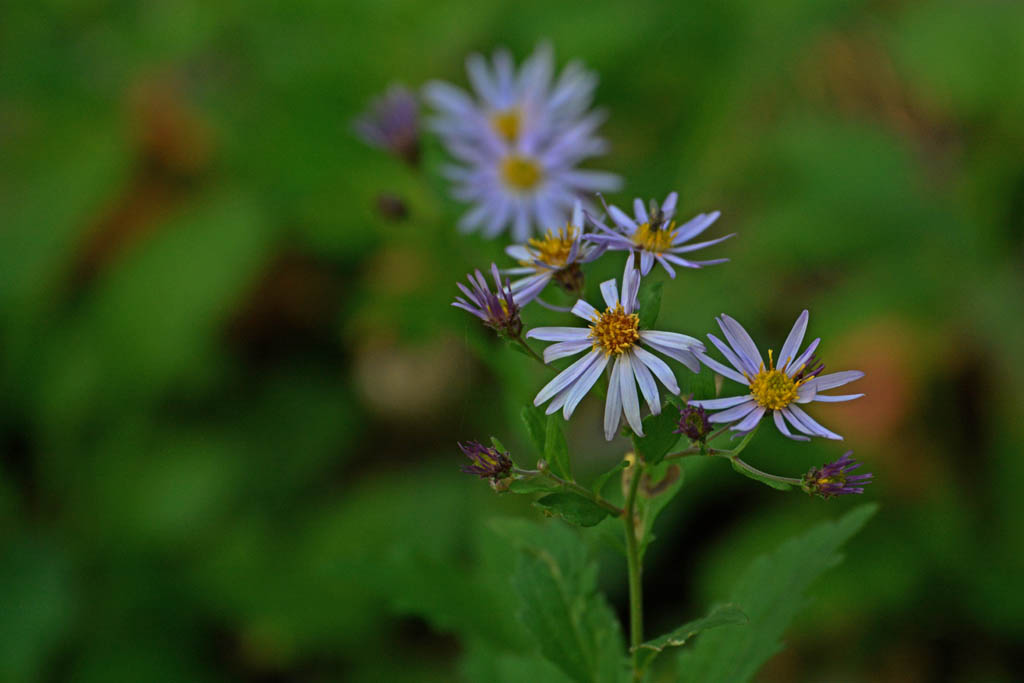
x,y
391,123
517,144
773,389
834,479
488,462
613,337
554,257
499,311
653,233
693,422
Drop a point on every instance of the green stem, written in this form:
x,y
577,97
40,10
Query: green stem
x,y
633,562
529,349
574,487
773,477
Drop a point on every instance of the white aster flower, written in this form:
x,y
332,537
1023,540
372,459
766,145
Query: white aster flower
x,y
555,256
655,235
614,336
778,390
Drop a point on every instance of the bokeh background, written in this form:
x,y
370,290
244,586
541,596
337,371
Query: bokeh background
x,y
230,387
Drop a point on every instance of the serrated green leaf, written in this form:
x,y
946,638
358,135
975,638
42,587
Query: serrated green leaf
x,y
602,480
573,508
771,592
659,435
779,485
649,299
556,451
722,615
556,585
536,426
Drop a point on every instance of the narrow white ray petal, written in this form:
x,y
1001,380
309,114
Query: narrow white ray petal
x,y
639,211
700,245
750,421
645,380
781,425
695,226
584,383
659,367
630,285
610,292
584,310
792,344
563,349
835,379
722,370
663,260
737,362
519,252
668,207
806,393
810,423
613,404
558,333
792,419
721,403
740,340
734,413
577,215
622,220
646,262
798,364
564,379
630,402
839,398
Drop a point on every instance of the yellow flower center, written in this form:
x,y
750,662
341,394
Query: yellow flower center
x,y
506,123
615,331
654,239
520,173
774,389
554,248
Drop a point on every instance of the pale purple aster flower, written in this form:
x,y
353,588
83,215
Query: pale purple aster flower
x,y
615,337
777,390
556,256
518,147
507,104
834,479
498,311
653,233
391,123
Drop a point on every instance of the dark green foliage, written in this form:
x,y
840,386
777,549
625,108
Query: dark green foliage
x,y
573,508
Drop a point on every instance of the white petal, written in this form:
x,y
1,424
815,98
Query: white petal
x,y
809,422
584,383
584,310
781,425
639,211
610,292
622,219
645,380
721,403
612,405
822,398
668,207
659,367
835,379
558,333
793,341
734,413
564,379
646,262
740,340
563,349
750,421
630,402
737,362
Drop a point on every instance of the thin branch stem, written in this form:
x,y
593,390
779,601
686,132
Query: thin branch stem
x,y
529,349
774,477
574,487
633,562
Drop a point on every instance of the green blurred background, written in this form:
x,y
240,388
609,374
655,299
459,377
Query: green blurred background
x,y
231,389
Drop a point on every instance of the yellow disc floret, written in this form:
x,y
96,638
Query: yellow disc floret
x,y
520,173
506,123
774,389
654,238
553,248
615,331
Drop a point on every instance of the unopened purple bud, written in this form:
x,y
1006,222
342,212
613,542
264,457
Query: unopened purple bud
x,y
392,123
488,462
694,423
498,310
834,479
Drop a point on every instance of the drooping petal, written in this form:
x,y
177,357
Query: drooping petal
x,y
630,402
613,404
645,380
657,366
781,425
835,379
564,379
584,383
810,423
822,398
646,262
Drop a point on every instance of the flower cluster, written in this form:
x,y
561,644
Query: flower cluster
x,y
516,140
